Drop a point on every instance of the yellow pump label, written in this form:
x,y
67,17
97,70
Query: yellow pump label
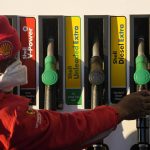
x,y
73,60
118,57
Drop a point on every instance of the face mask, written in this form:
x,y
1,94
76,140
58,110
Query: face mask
x,y
14,75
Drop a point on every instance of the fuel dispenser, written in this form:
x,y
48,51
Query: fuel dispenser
x,y
112,37
60,52
140,75
139,28
51,61
96,28
96,66
105,62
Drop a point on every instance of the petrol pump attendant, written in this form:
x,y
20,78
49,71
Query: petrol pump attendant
x,y
22,128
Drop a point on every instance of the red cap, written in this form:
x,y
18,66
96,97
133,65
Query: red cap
x,y
9,39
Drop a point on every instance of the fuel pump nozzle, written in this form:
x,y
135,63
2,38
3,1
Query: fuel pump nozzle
x,y
49,76
141,78
96,78
141,75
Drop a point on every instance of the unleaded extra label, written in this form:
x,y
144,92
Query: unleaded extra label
x,y
73,60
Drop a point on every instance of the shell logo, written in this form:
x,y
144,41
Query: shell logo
x,y
6,48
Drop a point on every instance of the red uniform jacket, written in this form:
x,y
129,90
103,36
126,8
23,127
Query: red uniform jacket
x,y
24,129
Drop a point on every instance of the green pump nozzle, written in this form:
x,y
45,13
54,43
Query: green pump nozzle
x,y
141,75
50,76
